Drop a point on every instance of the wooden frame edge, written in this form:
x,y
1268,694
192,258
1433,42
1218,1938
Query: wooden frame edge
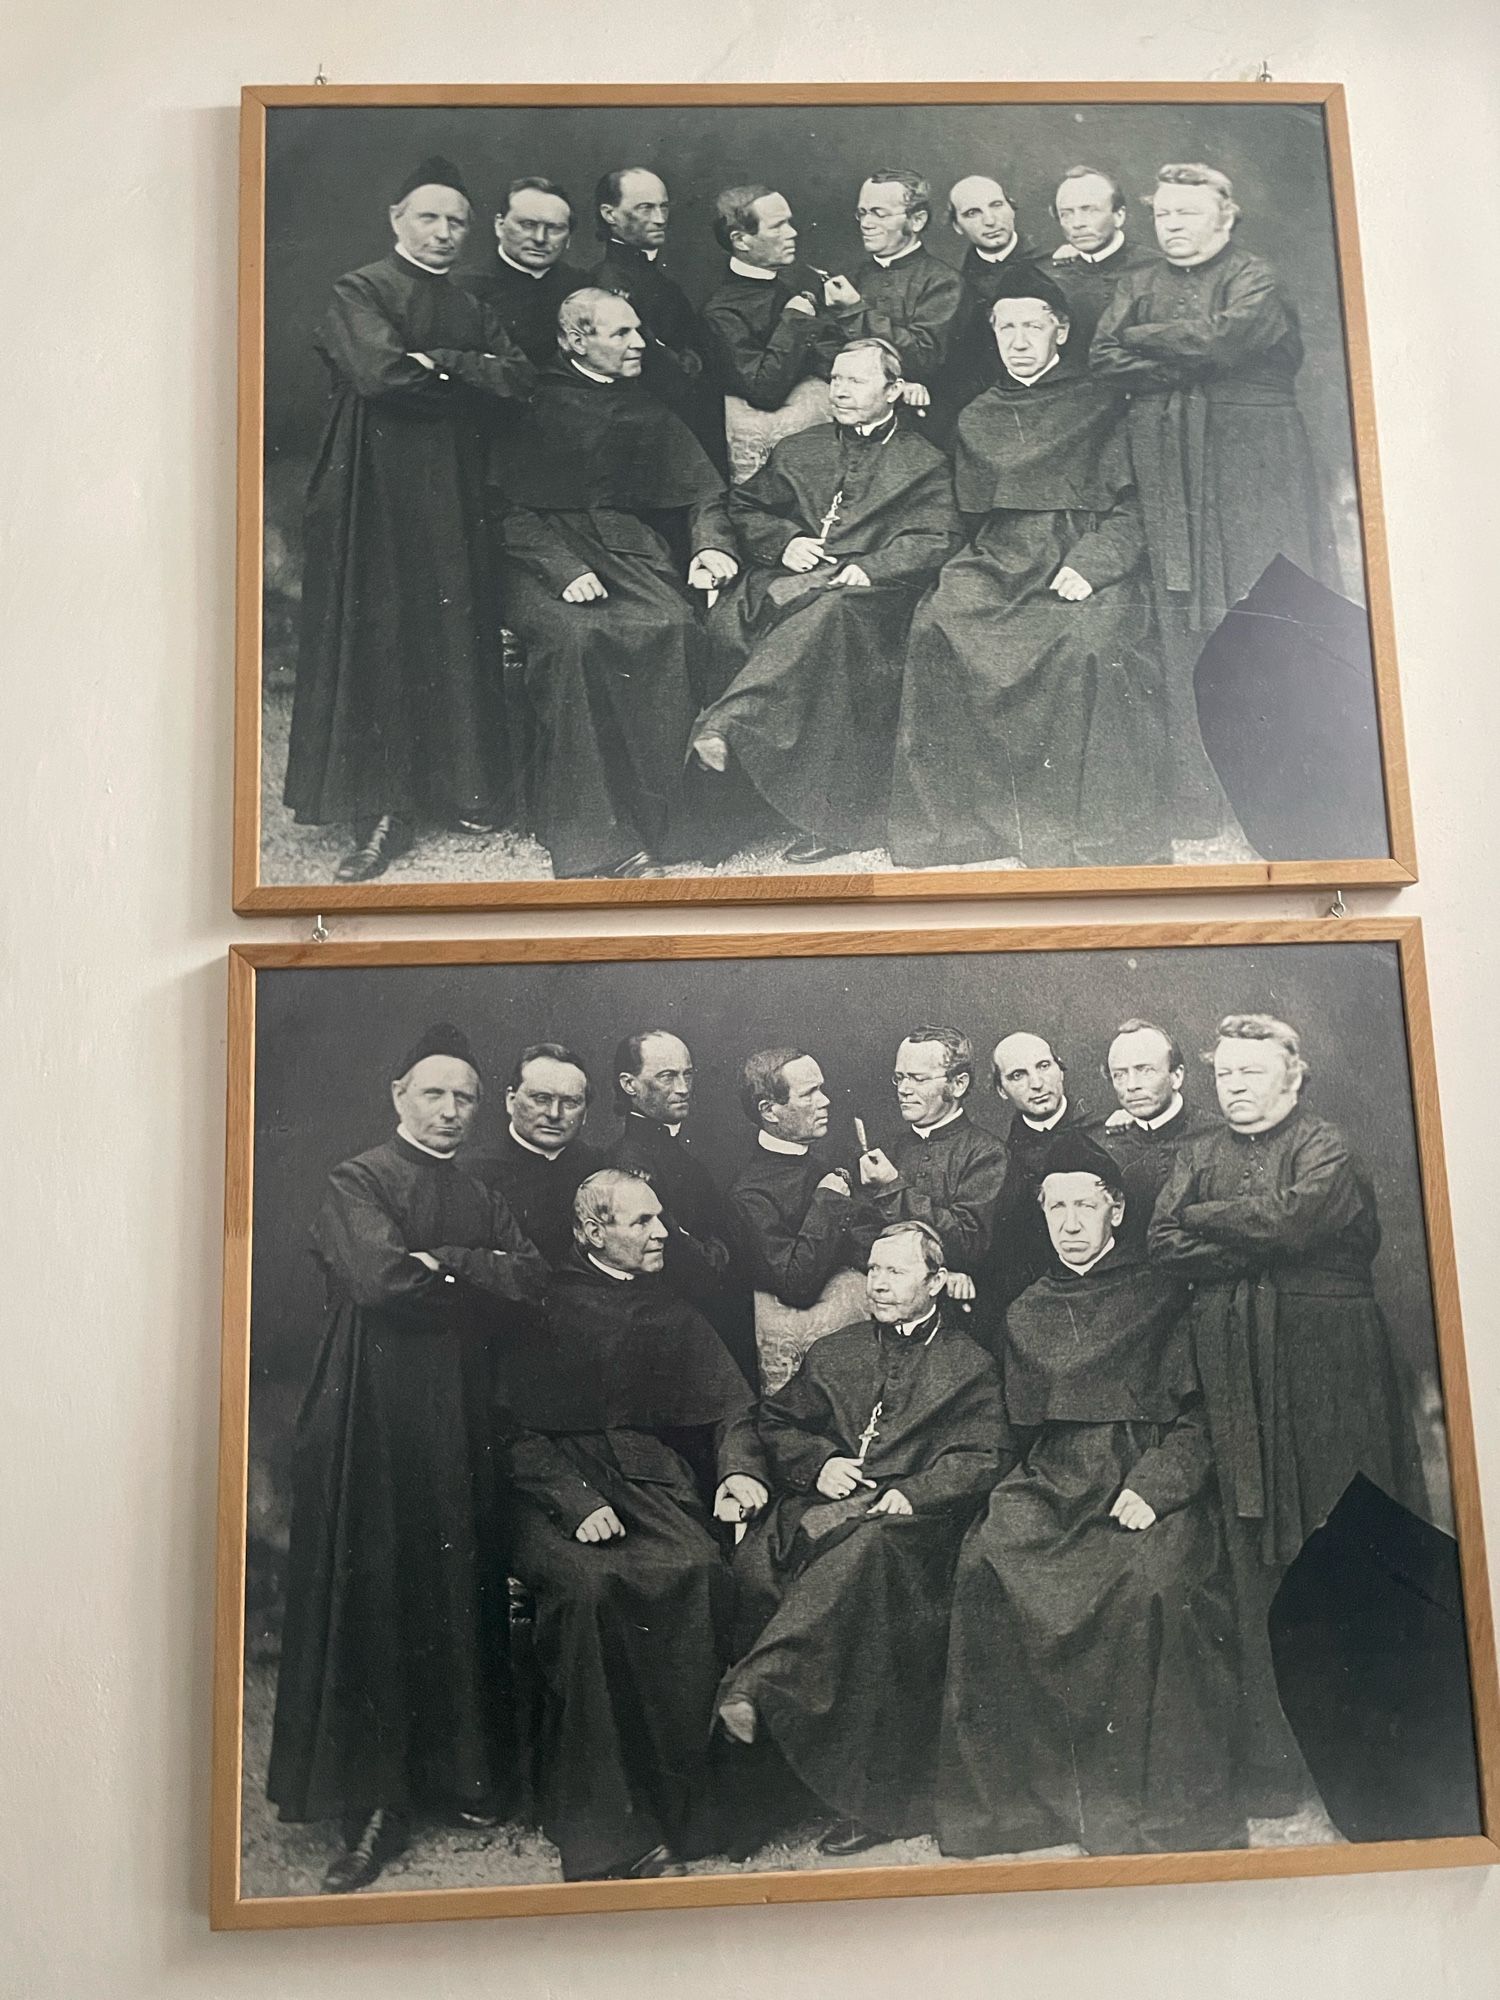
x,y
230,1911
252,897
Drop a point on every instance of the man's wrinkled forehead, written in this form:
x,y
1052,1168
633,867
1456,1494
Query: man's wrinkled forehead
x,y
1021,1051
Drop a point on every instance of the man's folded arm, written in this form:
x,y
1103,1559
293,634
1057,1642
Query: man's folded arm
x,y
534,1464
364,345
798,1260
361,1243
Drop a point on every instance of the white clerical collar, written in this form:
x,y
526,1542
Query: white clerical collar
x,y
540,1151
926,1131
876,424
402,1133
620,1277
524,269
895,257
592,373
997,256
907,1327
1082,1270
429,272
774,1145
743,270
1046,1124
1165,1117
649,255
1030,382
673,1129
1098,256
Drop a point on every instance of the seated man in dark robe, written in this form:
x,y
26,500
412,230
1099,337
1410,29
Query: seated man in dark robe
x,y
900,292
634,212
771,340
840,531
1272,1217
879,1450
1154,1121
542,1157
654,1082
1090,1693
1206,341
1031,717
803,1233
947,1172
596,473
529,278
610,1425
393,1696
396,717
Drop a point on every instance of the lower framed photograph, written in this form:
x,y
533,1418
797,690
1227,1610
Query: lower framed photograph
x,y
776,1418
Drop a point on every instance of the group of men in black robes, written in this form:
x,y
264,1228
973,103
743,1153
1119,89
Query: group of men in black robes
x,y
942,1487
915,558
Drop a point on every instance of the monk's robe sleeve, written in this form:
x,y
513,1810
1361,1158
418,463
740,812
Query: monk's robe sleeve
x,y
929,534
765,372
1112,357
1175,1471
1116,544
741,1451
964,1217
361,341
799,1431
794,1260
1171,1239
978,1451
543,545
512,1269
765,514
536,1465
1321,1198
361,1242
1249,317
709,525
498,369
921,337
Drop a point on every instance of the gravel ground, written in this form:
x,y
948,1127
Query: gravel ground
x,y
280,1860
293,854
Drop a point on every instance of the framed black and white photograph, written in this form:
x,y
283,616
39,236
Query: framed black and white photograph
x,y
841,491
750,1419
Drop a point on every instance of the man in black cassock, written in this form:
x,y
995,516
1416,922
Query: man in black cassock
x,y
1271,1215
771,342
804,1235
654,1082
879,1450
840,532
530,278
900,292
634,211
1090,1691
1032,712
984,217
396,716
609,1427
598,475
1029,1078
947,1172
1095,252
1154,1121
542,1157
393,1694
1206,341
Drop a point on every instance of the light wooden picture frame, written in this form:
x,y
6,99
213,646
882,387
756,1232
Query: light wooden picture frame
x,y
1308,744
314,1031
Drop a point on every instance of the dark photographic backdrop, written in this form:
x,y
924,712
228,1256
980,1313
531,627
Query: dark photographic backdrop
x,y
331,172
327,1041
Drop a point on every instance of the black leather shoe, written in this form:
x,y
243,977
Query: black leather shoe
x,y
847,1836
377,843
640,864
379,1840
811,848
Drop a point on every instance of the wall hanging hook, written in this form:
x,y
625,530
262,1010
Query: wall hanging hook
x,y
319,931
1262,75
321,79
1337,908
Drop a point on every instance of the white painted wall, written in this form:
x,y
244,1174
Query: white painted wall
x,y
117,201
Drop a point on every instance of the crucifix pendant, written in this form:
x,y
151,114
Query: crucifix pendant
x,y
869,1434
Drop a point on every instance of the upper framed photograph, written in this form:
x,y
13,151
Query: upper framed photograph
x,y
764,1419
831,491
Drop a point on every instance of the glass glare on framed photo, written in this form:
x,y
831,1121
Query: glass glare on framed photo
x,y
704,1416
848,491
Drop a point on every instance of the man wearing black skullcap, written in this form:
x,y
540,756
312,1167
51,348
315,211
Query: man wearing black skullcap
x,y
392,1695
395,718
1032,712
1090,1689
